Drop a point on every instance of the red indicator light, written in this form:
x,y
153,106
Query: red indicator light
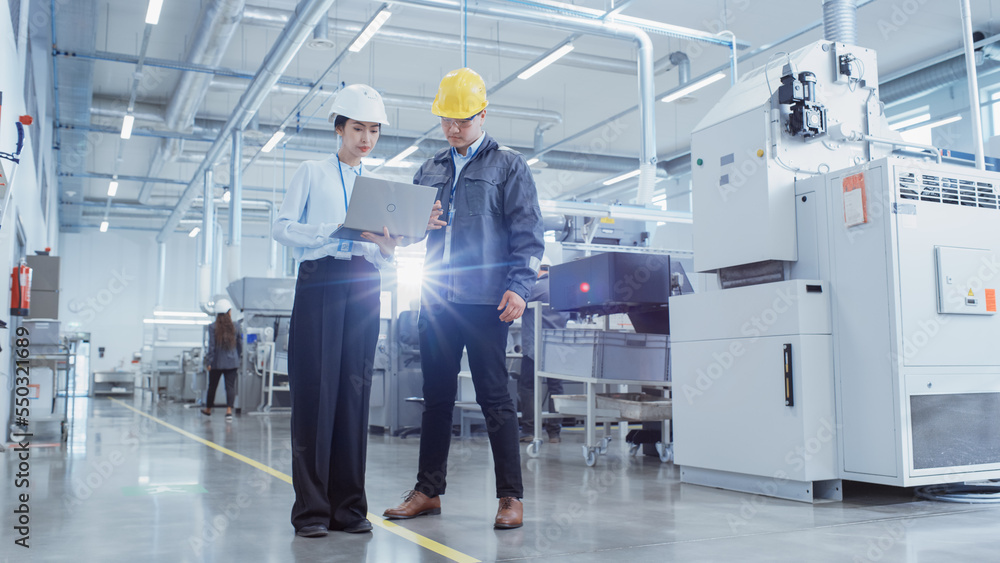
x,y
584,287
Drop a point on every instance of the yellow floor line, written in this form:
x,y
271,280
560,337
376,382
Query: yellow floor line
x,y
404,533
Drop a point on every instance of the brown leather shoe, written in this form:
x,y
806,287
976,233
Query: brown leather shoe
x,y
510,514
414,504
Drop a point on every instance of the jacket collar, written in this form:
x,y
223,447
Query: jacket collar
x,y
444,155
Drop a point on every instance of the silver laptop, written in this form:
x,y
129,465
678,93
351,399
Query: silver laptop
x,y
403,208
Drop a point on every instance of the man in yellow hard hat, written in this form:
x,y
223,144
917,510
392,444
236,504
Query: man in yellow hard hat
x,y
483,257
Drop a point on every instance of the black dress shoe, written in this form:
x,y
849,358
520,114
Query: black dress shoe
x,y
359,527
312,531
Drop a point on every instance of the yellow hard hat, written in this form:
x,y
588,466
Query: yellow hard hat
x,y
462,95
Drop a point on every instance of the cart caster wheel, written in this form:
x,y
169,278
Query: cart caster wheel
x,y
534,447
603,447
666,452
589,455
267,409
633,449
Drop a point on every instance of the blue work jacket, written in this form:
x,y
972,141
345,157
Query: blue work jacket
x,y
496,240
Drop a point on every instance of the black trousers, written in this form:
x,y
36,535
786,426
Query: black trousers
x,y
213,385
444,331
526,396
331,347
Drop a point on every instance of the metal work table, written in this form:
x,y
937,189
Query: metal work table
x,y
591,447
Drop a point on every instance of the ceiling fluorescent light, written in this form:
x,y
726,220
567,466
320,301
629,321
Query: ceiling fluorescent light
x,y
104,226
194,232
621,177
371,161
225,196
691,87
533,161
153,11
273,141
127,126
908,122
177,321
398,159
369,31
941,122
179,314
551,58
112,188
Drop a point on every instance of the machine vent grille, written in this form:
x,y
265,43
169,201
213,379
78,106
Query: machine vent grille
x,y
947,190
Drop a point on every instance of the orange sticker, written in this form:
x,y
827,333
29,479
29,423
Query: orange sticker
x,y
991,300
855,200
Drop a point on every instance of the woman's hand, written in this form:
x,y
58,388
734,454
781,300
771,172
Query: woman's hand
x,y
386,243
435,222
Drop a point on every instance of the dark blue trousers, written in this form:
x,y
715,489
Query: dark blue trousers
x,y
331,348
445,330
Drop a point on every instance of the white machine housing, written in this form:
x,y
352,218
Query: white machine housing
x,y
744,162
906,251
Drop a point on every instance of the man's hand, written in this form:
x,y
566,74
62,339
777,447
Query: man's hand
x,y
386,244
512,305
435,222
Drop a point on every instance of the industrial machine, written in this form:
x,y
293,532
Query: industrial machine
x,y
266,304
850,334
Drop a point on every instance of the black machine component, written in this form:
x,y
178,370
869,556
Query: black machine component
x,y
637,284
807,117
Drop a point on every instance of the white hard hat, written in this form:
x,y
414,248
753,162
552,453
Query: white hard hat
x,y
359,102
222,306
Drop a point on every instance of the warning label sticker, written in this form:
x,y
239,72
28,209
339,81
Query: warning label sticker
x,y
991,300
855,200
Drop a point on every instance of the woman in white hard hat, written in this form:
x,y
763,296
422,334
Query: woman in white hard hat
x,y
223,357
334,324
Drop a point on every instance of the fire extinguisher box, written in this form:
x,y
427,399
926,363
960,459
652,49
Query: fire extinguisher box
x,y
44,275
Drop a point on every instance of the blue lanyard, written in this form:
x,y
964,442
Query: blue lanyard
x,y
343,184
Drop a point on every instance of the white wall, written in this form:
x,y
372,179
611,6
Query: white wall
x,y
25,207
109,285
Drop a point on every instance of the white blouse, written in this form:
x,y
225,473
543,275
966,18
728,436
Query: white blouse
x,y
315,205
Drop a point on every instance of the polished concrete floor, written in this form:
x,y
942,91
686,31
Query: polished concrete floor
x,y
181,487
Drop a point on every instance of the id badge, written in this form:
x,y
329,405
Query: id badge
x,y
344,248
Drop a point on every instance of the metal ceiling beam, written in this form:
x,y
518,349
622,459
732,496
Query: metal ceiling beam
x,y
285,47
271,17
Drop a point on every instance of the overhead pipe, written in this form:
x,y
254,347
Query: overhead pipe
x,y
647,148
401,101
272,17
236,206
207,238
288,43
970,69
840,21
219,20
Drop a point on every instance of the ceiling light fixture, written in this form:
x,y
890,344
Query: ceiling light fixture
x,y
273,141
112,188
686,89
127,123
153,12
370,30
936,123
398,159
621,177
533,161
225,196
104,226
908,122
551,58
180,314
194,232
177,321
